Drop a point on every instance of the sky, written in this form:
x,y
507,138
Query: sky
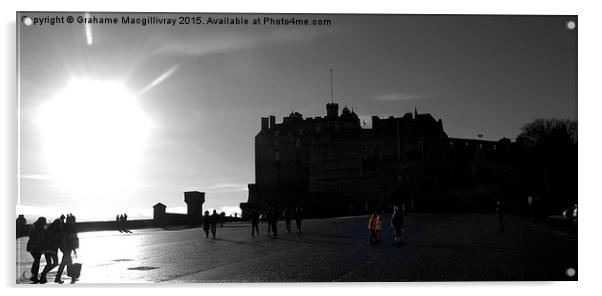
x,y
115,118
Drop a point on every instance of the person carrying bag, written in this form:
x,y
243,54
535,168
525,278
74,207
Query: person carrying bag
x,y
74,270
70,243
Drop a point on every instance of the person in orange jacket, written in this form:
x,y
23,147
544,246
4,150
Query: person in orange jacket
x,y
372,227
379,228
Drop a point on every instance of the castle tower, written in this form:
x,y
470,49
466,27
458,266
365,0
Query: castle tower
x,y
195,201
159,215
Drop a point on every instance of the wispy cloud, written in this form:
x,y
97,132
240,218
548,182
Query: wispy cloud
x,y
159,79
399,96
43,177
220,188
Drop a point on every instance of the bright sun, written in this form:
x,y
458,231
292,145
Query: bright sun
x,y
93,136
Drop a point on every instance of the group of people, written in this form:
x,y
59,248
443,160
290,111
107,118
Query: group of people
x,y
47,240
210,223
121,221
271,216
375,225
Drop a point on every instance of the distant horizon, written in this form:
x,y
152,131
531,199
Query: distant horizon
x,y
105,215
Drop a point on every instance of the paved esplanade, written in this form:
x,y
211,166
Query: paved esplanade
x,y
436,247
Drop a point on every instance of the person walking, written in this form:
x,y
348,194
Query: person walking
x,y
372,227
288,216
69,243
268,218
50,246
34,246
298,218
274,222
398,224
499,210
118,223
531,208
379,228
206,223
214,221
254,222
125,223
272,216
222,218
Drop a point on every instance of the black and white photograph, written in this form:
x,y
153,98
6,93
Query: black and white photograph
x,y
222,147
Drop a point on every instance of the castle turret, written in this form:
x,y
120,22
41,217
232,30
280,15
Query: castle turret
x,y
159,215
194,200
332,111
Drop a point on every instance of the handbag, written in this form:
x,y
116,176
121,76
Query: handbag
x,y
74,270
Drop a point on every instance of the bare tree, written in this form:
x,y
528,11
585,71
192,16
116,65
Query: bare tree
x,y
543,132
550,162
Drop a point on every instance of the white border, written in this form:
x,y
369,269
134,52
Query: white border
x,y
589,137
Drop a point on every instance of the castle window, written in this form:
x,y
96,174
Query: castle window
x,y
298,144
276,133
276,156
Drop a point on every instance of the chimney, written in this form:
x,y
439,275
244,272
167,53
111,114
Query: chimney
x,y
264,123
272,121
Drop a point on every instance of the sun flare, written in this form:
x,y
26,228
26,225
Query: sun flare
x,y
93,135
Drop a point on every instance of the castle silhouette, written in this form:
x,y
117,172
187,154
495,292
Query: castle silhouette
x,y
332,166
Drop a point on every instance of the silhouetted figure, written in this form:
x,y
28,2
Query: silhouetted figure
x,y
398,224
499,210
275,219
118,223
125,222
214,221
121,223
69,243
288,215
531,209
206,223
50,247
21,226
379,229
34,246
298,218
254,222
268,219
222,218
372,227
272,217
